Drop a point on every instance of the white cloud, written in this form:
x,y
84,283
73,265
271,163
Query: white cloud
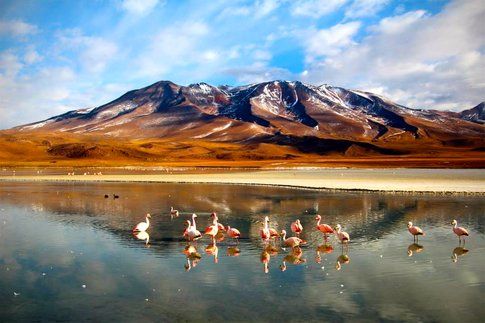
x,y
420,60
10,64
139,7
93,53
365,8
31,56
16,28
265,7
259,9
330,41
172,47
316,8
397,24
257,72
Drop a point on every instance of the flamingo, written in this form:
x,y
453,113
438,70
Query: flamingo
x,y
341,235
265,233
459,231
415,231
173,212
192,232
324,228
143,226
233,233
296,227
219,225
291,241
213,229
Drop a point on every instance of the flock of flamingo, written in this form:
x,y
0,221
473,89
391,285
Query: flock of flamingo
x,y
217,232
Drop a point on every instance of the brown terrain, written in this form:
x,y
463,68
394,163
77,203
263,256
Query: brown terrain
x,y
273,124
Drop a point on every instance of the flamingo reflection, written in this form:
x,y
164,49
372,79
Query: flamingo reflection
x,y
458,252
265,258
193,256
324,248
414,248
213,250
233,251
293,257
142,235
343,259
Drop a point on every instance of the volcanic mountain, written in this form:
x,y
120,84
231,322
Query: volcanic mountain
x,y
276,120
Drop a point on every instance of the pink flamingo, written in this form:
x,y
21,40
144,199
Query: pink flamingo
x,y
143,226
296,227
324,228
291,241
219,225
265,233
233,233
213,229
342,235
459,231
415,231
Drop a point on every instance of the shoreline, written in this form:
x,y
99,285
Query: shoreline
x,y
442,182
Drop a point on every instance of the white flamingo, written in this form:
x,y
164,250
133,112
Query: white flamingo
x,y
143,226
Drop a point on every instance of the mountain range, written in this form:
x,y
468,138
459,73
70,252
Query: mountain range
x,y
278,120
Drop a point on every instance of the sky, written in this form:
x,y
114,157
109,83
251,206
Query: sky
x,y
57,56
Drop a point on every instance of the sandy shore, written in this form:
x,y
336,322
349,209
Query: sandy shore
x,y
390,180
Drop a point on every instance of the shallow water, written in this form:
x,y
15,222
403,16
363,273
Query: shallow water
x,y
67,254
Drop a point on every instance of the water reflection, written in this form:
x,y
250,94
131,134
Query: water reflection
x,y
325,248
414,248
343,259
93,246
458,252
142,235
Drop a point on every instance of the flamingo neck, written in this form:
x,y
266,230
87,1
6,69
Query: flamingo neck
x,y
148,220
284,235
193,223
455,225
318,221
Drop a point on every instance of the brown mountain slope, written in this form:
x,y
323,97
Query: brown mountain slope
x,y
260,124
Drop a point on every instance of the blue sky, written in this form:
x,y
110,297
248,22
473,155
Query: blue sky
x,y
62,55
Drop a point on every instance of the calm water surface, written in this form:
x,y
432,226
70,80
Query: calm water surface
x,y
67,254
